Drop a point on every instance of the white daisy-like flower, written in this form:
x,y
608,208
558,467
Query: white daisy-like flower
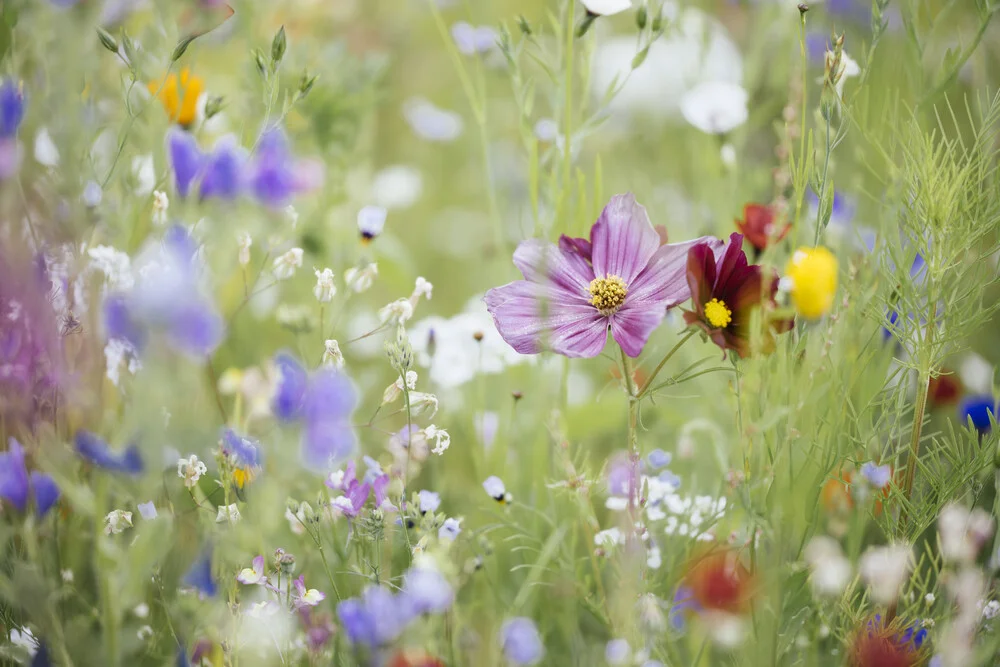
x,y
715,107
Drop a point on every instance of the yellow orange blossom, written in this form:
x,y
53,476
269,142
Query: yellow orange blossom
x,y
179,95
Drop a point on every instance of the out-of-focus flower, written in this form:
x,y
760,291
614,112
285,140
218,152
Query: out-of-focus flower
x,y
199,575
244,241
190,470
622,279
161,205
725,290
976,373
470,39
375,618
371,222
286,265
332,356
427,589
847,68
274,176
450,529
606,7
17,486
307,597
521,642
117,521
429,501
179,95
360,278
885,569
432,123
617,652
811,279
719,582
11,108
830,571
876,645
979,410
46,152
325,290
396,187
414,659
228,514
24,639
397,312
715,107
757,226
963,532
878,476
147,511
95,450
323,402
496,489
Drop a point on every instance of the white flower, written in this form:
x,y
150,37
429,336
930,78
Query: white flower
x,y
430,122
495,488
394,390
67,576
397,312
976,374
991,610
929,599
396,187
830,569
848,69
24,639
160,206
607,539
360,279
450,529
325,290
421,288
263,609
144,632
230,513
715,107
422,403
286,265
46,152
371,221
243,242
471,40
332,355
141,610
546,130
92,194
253,576
727,630
885,569
440,437
147,510
117,521
190,470
963,533
606,7
115,265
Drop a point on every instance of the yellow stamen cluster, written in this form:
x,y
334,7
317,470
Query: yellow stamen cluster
x,y
717,314
608,294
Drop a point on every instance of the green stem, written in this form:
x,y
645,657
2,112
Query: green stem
x,y
911,462
568,109
663,361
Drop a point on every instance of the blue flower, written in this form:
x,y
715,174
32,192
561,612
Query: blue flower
x,y
246,450
658,458
199,576
96,450
16,485
274,176
41,658
11,108
521,642
878,476
978,409
224,171
186,159
427,590
322,401
376,618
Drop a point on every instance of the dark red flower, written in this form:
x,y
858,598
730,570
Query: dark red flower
x,y
758,226
719,582
944,390
725,290
876,645
414,659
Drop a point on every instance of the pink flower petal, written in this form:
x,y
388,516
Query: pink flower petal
x,y
665,277
632,326
542,262
623,239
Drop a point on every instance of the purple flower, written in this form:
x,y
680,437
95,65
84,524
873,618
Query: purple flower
x,y
623,476
658,458
429,501
323,402
521,642
376,618
684,601
878,476
220,174
11,108
470,39
428,590
199,576
274,176
450,529
186,159
16,485
246,450
622,278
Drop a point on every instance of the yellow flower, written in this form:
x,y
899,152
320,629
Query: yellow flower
x,y
243,475
813,276
179,95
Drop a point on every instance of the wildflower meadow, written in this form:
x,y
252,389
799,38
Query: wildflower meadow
x,y
471,333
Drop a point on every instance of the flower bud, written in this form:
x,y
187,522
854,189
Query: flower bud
x,y
588,20
278,46
641,17
306,84
258,59
213,106
109,42
523,25
181,48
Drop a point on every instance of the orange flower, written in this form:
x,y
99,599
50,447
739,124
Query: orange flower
x,y
179,95
719,582
836,493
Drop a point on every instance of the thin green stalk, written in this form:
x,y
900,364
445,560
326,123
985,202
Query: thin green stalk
x,y
911,461
663,361
568,110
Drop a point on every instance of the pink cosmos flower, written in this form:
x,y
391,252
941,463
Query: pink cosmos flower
x,y
623,278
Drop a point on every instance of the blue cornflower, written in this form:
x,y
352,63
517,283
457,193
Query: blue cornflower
x,y
199,575
17,486
322,401
521,642
167,298
978,409
96,450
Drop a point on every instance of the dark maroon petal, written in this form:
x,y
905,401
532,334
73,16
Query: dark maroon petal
x,y
623,239
701,274
541,262
746,290
734,260
663,283
578,246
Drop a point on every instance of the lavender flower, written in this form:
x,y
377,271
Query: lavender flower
x,y
427,590
274,176
11,115
450,529
322,401
521,642
429,501
94,449
246,450
622,279
376,618
219,174
878,476
17,486
471,40
199,576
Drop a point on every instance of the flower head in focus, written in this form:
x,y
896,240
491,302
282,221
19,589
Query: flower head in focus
x,y
307,597
179,95
622,279
811,280
725,290
757,226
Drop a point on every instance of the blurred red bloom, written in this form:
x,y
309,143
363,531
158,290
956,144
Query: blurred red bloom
x,y
414,659
757,225
719,582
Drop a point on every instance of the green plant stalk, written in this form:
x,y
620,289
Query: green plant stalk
x,y
568,108
911,462
633,425
663,361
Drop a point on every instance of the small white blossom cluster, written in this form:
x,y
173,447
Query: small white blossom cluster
x,y
401,310
190,470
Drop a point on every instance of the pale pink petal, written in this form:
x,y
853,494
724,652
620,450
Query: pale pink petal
x,y
632,326
542,262
623,239
531,317
663,284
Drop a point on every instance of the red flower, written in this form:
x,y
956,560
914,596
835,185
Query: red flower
x,y
877,645
725,291
414,659
944,390
758,226
719,582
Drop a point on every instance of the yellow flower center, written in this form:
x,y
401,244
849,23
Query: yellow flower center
x,y
812,280
717,314
608,294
